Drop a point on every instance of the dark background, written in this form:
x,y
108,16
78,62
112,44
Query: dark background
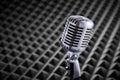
x,y
30,31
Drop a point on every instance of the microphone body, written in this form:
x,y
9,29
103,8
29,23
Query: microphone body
x,y
74,39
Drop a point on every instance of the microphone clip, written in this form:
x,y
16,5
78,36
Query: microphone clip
x,y
72,64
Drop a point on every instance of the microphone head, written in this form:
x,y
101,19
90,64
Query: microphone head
x,y
77,33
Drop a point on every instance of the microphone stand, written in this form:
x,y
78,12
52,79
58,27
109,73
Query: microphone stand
x,y
73,65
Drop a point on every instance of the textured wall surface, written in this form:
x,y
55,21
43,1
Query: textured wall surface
x,y
29,39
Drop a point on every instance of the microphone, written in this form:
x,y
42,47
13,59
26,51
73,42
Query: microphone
x,y
74,39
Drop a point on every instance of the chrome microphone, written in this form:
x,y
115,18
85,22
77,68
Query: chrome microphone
x,y
74,39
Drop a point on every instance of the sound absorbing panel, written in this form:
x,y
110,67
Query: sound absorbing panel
x,y
30,32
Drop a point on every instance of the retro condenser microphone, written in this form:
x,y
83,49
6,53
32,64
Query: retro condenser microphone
x,y
74,39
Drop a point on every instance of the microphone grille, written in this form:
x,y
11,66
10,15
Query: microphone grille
x,y
77,33
74,33
87,37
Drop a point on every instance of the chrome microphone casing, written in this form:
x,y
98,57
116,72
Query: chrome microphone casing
x,y
77,33
74,39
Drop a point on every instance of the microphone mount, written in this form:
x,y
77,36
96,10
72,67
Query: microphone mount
x,y
72,64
